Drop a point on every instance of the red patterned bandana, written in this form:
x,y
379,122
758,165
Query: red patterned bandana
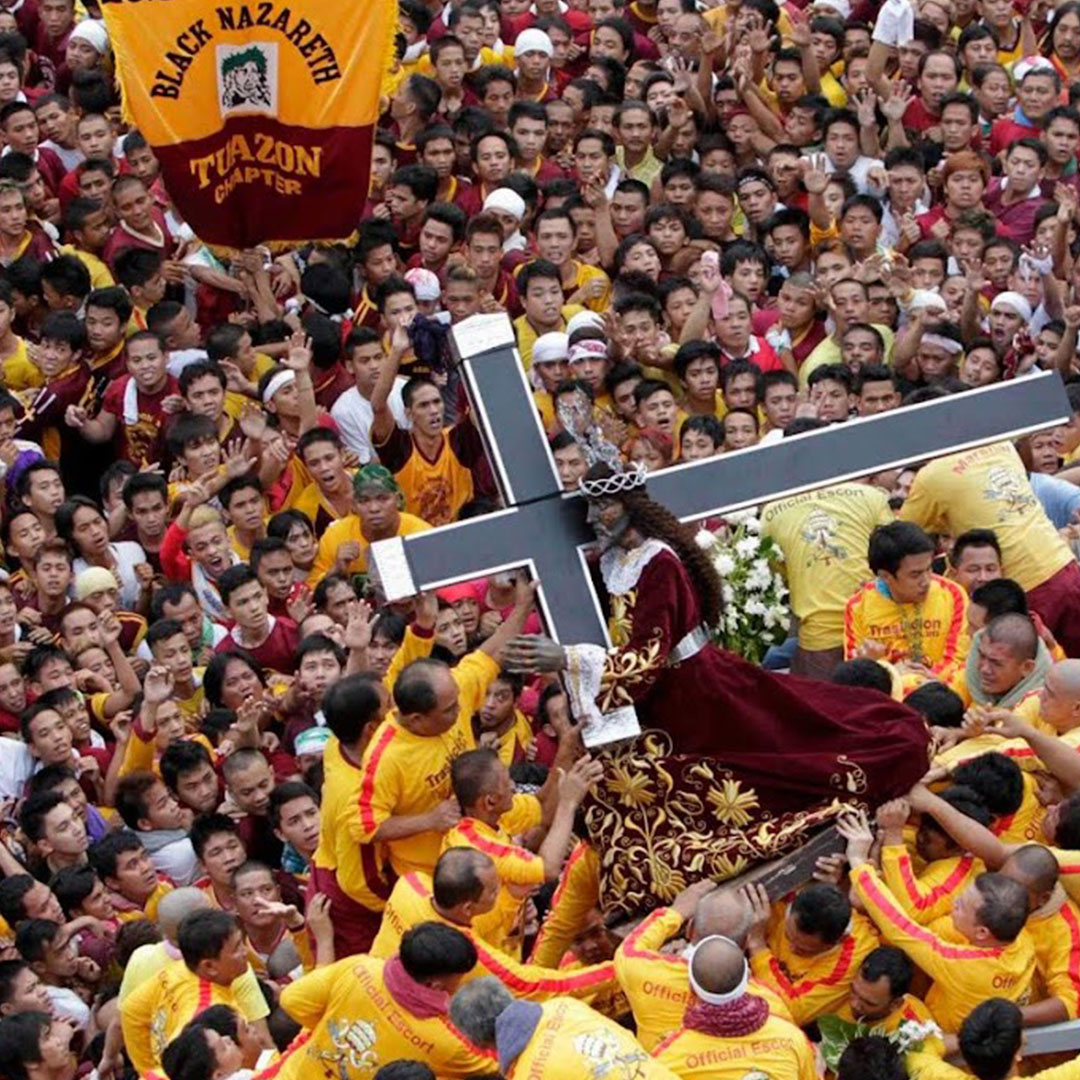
x,y
742,1017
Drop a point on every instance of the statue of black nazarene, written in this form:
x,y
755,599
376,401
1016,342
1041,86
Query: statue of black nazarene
x,y
733,765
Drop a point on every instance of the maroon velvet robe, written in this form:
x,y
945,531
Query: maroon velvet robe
x,y
735,765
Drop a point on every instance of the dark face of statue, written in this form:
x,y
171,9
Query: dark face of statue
x,y
609,521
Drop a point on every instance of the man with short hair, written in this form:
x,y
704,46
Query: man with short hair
x,y
405,799
975,558
271,640
812,952
212,946
996,957
394,1007
907,613
463,887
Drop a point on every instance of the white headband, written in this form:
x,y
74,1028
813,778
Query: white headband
x,y
709,997
941,342
282,378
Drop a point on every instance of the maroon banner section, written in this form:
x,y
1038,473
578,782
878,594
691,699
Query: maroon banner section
x,y
308,182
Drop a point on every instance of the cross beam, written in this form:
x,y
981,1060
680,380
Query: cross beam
x,y
544,528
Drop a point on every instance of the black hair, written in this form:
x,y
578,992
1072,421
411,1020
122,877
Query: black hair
x,y
938,704
433,949
208,825
822,910
349,706
864,672
871,1057
996,778
181,757
203,934
891,544
990,1038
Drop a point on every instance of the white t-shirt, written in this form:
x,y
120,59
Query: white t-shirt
x,y
354,415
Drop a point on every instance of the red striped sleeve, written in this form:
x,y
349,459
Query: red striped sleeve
x,y
956,624
1069,915
838,973
668,1040
417,886
206,996
630,944
585,979
494,848
367,785
458,1037
921,901
883,900
850,641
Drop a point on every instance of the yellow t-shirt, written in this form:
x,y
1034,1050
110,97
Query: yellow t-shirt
x,y
572,1040
526,335
356,1026
356,866
520,871
100,275
964,975
346,530
777,1050
154,1012
812,986
828,352
410,904
825,536
933,632
656,984
20,372
988,488
405,774
1056,934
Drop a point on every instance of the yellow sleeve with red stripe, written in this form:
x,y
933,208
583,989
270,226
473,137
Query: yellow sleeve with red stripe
x,y
137,1016
1057,953
535,983
811,996
855,621
576,895
515,865
378,788
930,896
957,641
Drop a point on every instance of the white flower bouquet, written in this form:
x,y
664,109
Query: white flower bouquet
x,y
756,613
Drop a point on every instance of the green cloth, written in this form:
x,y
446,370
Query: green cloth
x,y
1032,681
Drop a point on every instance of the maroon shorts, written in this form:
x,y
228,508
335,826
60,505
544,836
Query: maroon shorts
x,y
355,926
1057,602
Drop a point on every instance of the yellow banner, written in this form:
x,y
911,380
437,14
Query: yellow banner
x,y
252,106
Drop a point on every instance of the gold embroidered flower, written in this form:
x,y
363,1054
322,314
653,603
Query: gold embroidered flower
x,y
633,789
732,804
621,623
725,867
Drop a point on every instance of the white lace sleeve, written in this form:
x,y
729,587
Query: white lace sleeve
x,y
584,673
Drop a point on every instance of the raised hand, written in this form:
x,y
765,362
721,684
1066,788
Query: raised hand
x,y
158,686
896,104
298,358
814,177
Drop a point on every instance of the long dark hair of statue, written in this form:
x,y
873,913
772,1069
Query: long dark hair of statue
x,y
652,519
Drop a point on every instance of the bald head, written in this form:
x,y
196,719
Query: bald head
x,y
1066,677
722,912
1034,866
175,906
1017,633
717,966
459,876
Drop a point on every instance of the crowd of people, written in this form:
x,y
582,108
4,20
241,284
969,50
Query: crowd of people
x,y
258,822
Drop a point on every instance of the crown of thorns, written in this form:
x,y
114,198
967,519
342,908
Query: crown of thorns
x,y
628,480
248,56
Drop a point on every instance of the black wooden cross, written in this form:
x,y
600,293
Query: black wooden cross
x,y
544,528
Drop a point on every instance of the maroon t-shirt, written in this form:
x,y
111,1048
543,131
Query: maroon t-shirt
x,y
276,653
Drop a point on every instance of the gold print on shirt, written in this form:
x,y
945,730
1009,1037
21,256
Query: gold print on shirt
x,y
625,669
433,502
142,437
601,1049
819,532
1004,486
354,1044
